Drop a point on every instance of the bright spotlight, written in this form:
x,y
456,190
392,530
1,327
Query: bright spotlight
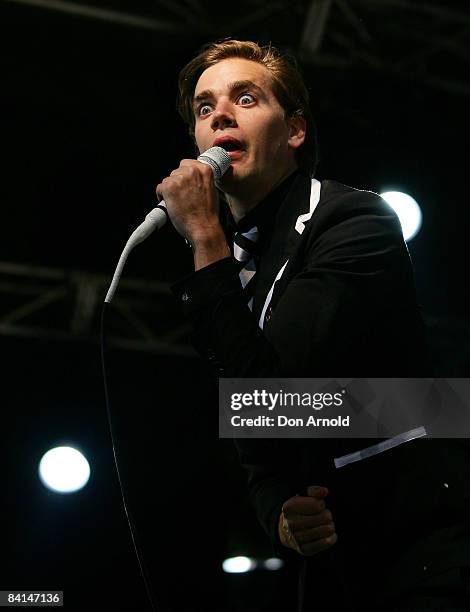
x,y
238,565
408,212
273,564
64,470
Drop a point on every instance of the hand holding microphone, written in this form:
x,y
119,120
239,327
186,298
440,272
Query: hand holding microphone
x,y
190,196
192,207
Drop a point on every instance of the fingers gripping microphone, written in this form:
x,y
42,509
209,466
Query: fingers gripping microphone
x,y
215,157
219,161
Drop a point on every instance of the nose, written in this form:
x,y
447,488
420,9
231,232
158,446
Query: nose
x,y
223,117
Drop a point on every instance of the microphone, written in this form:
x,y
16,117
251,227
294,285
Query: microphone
x,y
219,161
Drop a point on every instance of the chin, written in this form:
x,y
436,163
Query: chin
x,y
238,184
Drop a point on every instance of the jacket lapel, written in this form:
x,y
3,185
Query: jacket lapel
x,y
276,262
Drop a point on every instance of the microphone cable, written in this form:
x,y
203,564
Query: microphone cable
x,y
145,577
219,161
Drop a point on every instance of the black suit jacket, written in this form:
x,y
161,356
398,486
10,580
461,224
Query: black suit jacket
x,y
344,306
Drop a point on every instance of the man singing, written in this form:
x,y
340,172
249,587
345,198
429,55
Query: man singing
x,y
300,278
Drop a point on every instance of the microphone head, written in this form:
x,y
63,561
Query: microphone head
x,y
218,159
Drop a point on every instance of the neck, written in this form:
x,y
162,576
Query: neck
x,y
240,204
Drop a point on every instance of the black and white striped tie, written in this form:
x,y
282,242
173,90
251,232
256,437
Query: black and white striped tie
x,y
245,250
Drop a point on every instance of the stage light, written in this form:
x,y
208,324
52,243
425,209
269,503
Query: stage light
x,y
273,564
408,212
238,565
64,470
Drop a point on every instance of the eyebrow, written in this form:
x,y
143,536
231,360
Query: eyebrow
x,y
234,86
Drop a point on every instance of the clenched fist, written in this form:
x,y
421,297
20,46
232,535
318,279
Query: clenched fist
x,y
305,524
192,205
191,199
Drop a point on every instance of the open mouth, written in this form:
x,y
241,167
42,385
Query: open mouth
x,y
231,145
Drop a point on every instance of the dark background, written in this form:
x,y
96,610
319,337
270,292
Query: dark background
x,y
88,128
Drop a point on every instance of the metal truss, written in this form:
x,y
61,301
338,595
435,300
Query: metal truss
x,y
423,40
54,304
409,38
63,305
97,12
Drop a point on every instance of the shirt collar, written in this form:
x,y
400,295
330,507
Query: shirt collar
x,y
263,214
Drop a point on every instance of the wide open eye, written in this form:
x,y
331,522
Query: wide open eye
x,y
247,97
202,108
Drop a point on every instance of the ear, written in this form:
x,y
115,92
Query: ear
x,y
297,131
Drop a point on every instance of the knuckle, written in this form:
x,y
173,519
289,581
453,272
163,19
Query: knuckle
x,y
330,540
288,505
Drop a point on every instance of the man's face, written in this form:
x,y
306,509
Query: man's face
x,y
234,104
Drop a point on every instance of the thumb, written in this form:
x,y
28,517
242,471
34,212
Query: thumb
x,y
317,491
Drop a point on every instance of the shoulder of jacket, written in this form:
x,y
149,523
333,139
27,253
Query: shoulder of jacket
x,y
334,192
339,204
